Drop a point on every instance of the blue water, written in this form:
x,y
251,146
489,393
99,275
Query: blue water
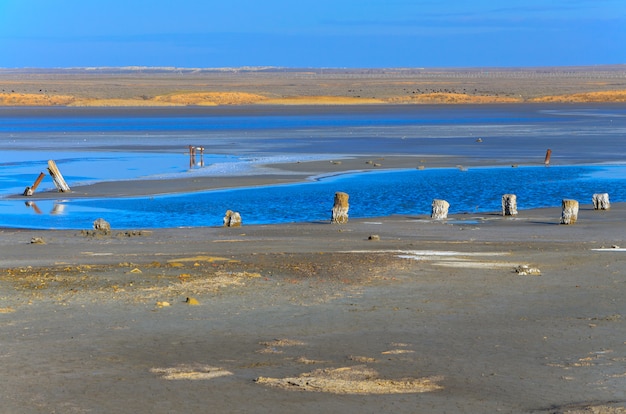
x,y
372,194
93,145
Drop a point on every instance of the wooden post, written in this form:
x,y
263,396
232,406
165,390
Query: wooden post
x,y
232,219
601,201
29,191
509,205
192,156
569,215
57,177
340,208
439,209
546,161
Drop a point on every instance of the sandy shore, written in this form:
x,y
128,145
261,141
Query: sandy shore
x,y
398,313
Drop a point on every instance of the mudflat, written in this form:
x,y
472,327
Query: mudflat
x,y
399,313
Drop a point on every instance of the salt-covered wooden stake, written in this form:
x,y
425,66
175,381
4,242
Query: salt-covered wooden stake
x,y
232,219
340,208
509,205
439,209
569,215
57,177
601,201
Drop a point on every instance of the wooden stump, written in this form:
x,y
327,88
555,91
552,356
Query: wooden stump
x,y
439,209
340,208
509,205
232,219
601,201
569,214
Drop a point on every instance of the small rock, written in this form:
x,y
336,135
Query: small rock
x,y
525,270
192,301
102,226
162,304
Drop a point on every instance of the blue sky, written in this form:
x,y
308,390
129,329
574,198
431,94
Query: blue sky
x,y
304,33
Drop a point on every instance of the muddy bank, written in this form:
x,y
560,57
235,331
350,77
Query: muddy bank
x,y
429,316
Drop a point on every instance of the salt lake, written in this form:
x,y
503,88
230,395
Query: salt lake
x,y
91,145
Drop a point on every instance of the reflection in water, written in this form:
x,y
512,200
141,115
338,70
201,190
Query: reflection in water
x,y
33,206
192,157
57,208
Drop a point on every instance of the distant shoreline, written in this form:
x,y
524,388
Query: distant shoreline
x,y
180,87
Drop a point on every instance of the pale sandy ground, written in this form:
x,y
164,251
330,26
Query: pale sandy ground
x,y
159,87
316,317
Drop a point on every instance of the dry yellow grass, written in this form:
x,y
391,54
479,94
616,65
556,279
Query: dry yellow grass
x,y
34,99
323,100
119,103
453,98
210,98
244,98
603,96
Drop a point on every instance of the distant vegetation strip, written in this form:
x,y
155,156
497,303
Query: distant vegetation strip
x,y
244,98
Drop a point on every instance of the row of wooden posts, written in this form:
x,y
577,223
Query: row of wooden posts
x,y
439,210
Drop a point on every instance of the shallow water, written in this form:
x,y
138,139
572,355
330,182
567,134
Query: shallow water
x,y
92,145
372,194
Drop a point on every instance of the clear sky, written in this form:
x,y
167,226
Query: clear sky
x,y
305,33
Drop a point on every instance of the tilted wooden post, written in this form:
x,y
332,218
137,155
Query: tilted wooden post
x,y
546,161
29,191
340,208
509,205
232,219
439,209
57,177
601,201
569,215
